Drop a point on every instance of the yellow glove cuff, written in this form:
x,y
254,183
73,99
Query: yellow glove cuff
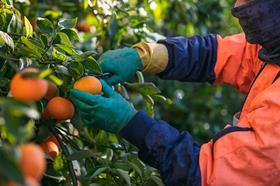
x,y
154,57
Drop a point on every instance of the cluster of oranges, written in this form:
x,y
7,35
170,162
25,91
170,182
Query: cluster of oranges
x,y
58,108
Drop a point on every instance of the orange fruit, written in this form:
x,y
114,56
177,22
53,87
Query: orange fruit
x,y
89,84
28,89
29,182
51,92
60,108
53,139
83,27
50,148
32,161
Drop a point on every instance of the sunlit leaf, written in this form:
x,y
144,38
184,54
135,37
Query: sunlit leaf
x,y
28,27
58,55
143,88
67,49
64,39
67,23
5,38
56,80
14,25
71,33
91,65
45,73
34,48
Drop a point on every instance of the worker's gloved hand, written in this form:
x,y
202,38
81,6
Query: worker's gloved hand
x,y
122,63
110,112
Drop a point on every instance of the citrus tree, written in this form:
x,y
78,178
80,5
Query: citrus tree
x,y
46,49
49,47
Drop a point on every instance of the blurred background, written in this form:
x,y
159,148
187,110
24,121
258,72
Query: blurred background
x,y
202,109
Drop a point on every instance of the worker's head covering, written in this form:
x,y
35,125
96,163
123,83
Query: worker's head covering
x,y
260,20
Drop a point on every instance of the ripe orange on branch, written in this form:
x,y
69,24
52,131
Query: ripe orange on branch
x,y
28,88
51,92
51,147
32,161
60,108
89,84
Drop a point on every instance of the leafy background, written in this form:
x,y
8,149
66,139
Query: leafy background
x,y
65,38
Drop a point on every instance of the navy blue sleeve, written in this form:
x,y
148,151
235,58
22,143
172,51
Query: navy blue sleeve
x,y
160,145
191,59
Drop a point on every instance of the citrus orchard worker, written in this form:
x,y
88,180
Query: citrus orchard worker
x,y
246,153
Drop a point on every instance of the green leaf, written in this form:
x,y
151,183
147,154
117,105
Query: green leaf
x,y
124,175
98,171
149,105
76,69
44,40
143,88
84,56
67,49
82,154
24,62
45,73
14,25
58,55
34,48
64,39
85,4
136,168
71,33
162,99
28,28
67,23
157,180
5,38
52,14
91,65
9,168
56,80
45,25
140,77
58,163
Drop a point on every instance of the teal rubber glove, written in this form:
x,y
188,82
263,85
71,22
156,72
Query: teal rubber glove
x,y
121,63
110,112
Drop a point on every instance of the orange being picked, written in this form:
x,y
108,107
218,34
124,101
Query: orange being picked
x,y
89,84
32,161
28,88
51,92
60,108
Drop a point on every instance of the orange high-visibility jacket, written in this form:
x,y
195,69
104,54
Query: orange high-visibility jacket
x,y
245,153
246,157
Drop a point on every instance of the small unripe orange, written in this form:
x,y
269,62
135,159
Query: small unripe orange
x,y
50,148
